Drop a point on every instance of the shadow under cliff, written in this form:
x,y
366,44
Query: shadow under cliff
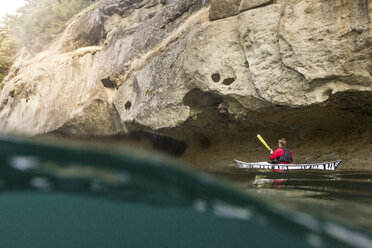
x,y
340,128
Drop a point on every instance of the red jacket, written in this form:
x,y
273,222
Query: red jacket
x,y
278,153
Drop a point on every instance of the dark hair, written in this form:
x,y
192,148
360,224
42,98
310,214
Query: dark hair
x,y
282,141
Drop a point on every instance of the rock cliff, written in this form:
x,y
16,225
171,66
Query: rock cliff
x,y
207,75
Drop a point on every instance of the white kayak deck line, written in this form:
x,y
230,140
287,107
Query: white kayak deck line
x,y
266,165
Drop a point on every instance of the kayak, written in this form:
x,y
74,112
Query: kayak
x,y
283,167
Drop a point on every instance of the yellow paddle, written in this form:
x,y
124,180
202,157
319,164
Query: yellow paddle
x,y
263,142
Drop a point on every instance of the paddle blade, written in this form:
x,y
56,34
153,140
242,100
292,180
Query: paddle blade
x,y
263,142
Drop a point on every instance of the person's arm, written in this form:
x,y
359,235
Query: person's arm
x,y
277,153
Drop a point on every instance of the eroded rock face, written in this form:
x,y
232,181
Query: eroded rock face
x,y
210,73
250,4
224,8
340,41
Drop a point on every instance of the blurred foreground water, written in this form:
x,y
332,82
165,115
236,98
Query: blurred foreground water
x,y
58,195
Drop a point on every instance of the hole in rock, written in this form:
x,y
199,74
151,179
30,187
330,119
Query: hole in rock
x,y
127,105
228,81
197,99
216,77
108,83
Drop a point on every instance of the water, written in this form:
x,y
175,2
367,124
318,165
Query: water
x,y
344,196
57,195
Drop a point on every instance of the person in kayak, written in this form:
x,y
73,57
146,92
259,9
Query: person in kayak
x,y
282,155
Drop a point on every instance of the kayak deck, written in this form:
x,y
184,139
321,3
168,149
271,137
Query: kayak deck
x,y
266,165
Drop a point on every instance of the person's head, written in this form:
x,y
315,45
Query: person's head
x,y
282,142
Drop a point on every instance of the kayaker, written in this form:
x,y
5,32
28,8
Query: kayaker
x,y
282,155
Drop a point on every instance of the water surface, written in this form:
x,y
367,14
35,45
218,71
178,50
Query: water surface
x,y
344,196
58,195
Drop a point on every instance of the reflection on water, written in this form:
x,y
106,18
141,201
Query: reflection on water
x,y
57,196
343,196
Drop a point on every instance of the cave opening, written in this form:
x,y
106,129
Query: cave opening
x,y
197,99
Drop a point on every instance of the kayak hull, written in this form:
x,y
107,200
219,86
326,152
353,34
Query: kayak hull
x,y
282,167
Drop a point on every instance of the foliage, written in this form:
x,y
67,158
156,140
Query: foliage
x,y
34,26
40,20
6,52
